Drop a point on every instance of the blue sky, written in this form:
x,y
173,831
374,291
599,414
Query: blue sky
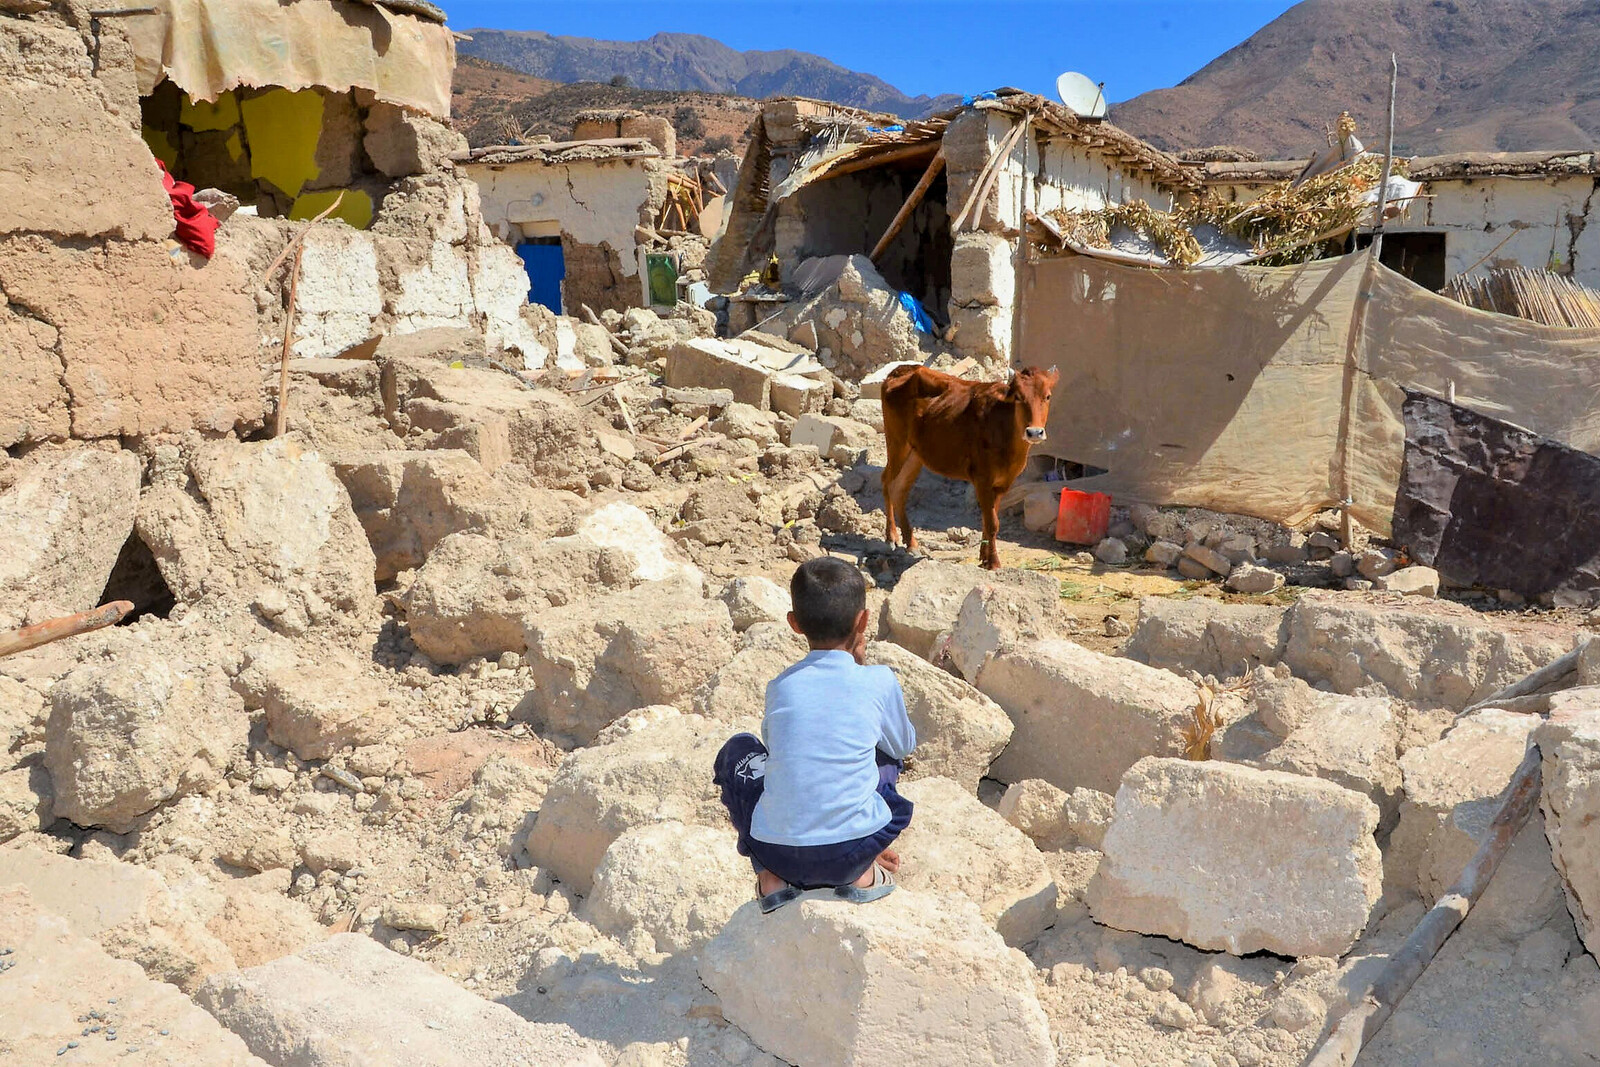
x,y
930,46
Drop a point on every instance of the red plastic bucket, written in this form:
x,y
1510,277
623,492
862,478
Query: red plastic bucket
x,y
1083,517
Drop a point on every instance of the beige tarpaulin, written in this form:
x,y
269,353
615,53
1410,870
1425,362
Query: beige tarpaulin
x,y
1227,389
210,46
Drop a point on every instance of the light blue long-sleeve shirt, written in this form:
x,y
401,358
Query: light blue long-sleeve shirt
x,y
825,716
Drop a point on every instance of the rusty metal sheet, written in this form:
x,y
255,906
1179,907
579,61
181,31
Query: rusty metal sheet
x,y
1488,503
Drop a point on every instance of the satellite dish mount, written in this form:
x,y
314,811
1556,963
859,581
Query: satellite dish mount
x,y
1085,98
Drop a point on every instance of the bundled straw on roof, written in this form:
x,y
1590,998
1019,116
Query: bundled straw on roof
x,y
1285,224
1536,295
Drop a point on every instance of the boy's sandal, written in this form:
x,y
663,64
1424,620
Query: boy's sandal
x,y
882,885
777,898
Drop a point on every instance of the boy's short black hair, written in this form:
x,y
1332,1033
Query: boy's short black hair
x,y
828,594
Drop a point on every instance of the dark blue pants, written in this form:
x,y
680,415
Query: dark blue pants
x,y
741,774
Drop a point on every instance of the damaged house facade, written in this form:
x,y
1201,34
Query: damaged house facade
x,y
1476,209
946,198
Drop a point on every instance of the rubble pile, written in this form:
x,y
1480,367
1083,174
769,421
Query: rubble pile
x,y
404,752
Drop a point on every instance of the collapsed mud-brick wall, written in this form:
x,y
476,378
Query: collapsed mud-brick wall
x,y
107,327
1486,503
851,212
292,153
657,129
594,206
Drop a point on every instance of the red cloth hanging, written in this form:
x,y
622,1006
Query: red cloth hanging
x,y
196,226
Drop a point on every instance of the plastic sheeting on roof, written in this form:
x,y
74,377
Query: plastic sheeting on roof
x,y
210,46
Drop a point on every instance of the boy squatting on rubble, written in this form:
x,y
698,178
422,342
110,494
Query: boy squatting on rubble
x,y
813,799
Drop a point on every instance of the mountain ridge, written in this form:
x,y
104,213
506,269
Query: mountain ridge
x,y
1475,75
689,61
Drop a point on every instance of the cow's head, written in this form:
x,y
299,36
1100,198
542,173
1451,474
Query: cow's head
x,y
1031,388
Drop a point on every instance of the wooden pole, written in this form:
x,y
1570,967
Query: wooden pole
x,y
1358,325
282,419
66,626
1362,1022
1553,671
918,191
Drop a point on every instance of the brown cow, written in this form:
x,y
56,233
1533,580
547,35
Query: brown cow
x,y
978,432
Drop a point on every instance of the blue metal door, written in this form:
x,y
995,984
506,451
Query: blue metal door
x,y
546,268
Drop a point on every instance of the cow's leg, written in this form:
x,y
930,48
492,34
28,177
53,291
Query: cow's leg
x,y
899,450
900,490
989,504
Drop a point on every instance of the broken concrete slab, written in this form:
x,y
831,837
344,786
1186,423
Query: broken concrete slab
x,y
316,702
127,735
997,616
1224,857
928,597
350,1000
915,976
754,599
796,395
678,884
1452,789
743,367
956,845
659,771
959,730
58,974
408,502
838,438
1205,635
1432,659
1569,745
67,517
1054,819
597,659
1083,718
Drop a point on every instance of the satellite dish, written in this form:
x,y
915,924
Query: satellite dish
x,y
1086,98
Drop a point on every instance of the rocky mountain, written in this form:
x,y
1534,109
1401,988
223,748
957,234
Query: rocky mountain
x,y
495,104
1475,75
687,61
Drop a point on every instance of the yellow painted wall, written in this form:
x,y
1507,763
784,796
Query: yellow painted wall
x,y
284,128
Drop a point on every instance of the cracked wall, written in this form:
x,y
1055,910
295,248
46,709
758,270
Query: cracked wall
x,y
1540,222
594,207
105,330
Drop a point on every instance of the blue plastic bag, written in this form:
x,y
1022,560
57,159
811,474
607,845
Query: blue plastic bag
x,y
968,101
919,318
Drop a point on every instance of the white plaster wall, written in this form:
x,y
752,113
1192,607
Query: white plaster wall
x,y
1066,174
1530,215
596,202
338,297
1514,221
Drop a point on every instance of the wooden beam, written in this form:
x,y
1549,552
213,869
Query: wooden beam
x,y
878,159
986,176
1553,671
1362,1022
918,191
66,626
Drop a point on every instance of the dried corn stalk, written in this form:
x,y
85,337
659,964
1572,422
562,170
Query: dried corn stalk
x,y
1203,724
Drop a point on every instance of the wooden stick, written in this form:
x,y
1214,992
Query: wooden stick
x,y
616,342
1362,1022
622,406
1553,671
66,626
918,191
980,187
281,421
294,242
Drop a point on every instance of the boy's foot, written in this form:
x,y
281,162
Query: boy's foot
x,y
876,884
768,883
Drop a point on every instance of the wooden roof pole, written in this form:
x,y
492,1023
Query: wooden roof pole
x,y
935,165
